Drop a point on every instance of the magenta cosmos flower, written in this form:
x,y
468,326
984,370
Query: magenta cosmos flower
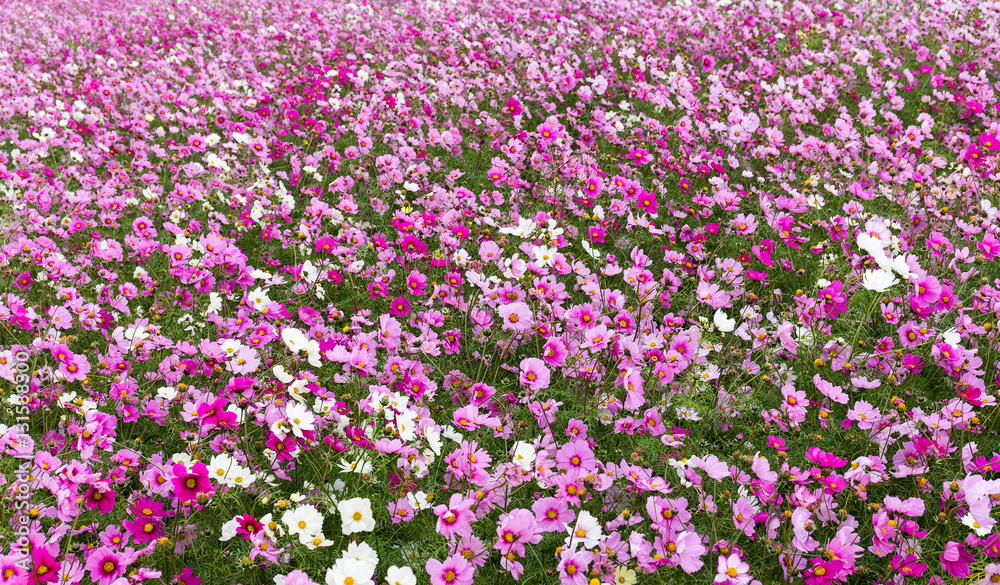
x,y
824,459
955,559
188,484
928,290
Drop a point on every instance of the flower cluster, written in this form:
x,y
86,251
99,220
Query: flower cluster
x,y
452,293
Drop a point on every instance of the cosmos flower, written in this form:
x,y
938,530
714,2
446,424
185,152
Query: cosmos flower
x,y
534,374
455,570
106,565
188,484
356,515
878,280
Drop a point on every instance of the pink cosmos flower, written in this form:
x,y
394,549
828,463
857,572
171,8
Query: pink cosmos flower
x,y
864,413
763,251
597,338
247,525
794,400
296,577
743,516
913,507
144,529
712,295
468,462
24,281
473,549
552,514
690,549
76,369
834,299
516,529
545,412
534,374
399,307
638,156
455,518
549,131
516,317
101,496
576,456
593,186
573,567
834,393
554,352
732,570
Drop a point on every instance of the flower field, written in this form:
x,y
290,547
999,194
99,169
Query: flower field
x,y
447,292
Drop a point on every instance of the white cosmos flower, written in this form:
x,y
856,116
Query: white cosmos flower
x,y
295,340
879,280
723,322
296,389
220,465
418,500
299,418
309,272
350,572
989,209
544,255
899,265
433,437
524,228
977,527
271,528
312,542
400,576
312,353
282,376
304,519
870,244
524,455
359,466
406,425
239,476
687,413
586,531
167,393
230,347
258,298
229,530
361,551
356,515
590,250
